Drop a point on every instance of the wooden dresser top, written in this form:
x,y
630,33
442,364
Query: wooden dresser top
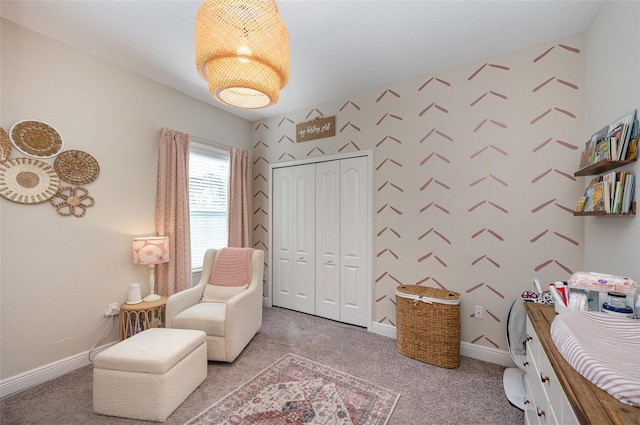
x,y
590,404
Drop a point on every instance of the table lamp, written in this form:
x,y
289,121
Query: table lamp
x,y
151,250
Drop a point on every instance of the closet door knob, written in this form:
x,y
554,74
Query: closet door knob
x,y
528,338
540,412
543,377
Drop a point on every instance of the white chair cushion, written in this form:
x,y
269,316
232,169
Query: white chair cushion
x,y
218,293
208,317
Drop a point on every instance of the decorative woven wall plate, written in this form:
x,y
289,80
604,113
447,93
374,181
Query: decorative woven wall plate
x,y
36,139
76,167
27,181
72,201
5,145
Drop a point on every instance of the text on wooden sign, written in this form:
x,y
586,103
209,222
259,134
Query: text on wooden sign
x,y
316,129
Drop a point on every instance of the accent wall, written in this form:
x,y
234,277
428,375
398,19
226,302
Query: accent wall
x,y
473,178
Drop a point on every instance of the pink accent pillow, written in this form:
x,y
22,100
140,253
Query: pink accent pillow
x,y
232,267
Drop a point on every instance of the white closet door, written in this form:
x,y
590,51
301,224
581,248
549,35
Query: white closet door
x,y
328,239
354,251
282,237
294,238
304,242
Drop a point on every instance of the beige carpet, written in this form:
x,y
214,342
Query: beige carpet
x,y
469,394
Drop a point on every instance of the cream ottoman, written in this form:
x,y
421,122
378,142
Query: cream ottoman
x,y
150,374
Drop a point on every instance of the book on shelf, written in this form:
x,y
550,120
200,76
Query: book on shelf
x,y
628,194
632,147
592,195
613,149
609,180
617,132
598,196
585,158
617,195
615,209
580,203
606,197
600,134
621,129
603,150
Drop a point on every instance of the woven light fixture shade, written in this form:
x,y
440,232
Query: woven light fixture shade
x,y
242,50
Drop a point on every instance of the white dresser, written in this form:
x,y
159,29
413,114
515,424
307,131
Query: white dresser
x,y
546,402
556,393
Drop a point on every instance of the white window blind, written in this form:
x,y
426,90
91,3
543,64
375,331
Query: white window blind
x,y
208,182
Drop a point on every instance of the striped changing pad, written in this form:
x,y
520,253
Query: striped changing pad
x,y
605,349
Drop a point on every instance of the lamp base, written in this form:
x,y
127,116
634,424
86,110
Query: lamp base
x,y
151,297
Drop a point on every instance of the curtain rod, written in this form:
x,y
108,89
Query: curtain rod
x,y
209,142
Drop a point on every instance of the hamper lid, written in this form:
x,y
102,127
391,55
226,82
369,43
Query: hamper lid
x,y
428,294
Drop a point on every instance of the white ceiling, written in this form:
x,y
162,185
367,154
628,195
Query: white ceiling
x,y
338,48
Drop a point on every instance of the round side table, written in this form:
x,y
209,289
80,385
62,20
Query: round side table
x,y
136,318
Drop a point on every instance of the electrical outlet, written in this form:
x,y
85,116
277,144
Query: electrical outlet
x,y
479,314
112,310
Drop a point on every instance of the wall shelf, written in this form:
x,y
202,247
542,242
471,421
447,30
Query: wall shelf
x,y
632,213
601,167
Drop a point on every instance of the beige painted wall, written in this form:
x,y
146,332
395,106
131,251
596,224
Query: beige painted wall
x,y
58,274
473,177
612,245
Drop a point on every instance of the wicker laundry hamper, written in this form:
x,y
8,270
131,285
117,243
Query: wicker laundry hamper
x,y
428,325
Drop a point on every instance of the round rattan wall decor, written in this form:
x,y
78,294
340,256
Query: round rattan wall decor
x,y
35,138
28,181
5,145
76,167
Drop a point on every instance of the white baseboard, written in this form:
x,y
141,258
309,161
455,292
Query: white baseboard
x,y
479,352
40,375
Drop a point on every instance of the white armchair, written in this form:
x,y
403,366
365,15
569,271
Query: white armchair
x,y
229,323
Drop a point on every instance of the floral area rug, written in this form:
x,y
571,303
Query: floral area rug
x,y
295,390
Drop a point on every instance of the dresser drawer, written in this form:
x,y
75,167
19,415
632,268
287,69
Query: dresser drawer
x,y
530,416
533,343
546,396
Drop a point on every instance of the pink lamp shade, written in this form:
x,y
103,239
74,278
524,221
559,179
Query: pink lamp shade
x,y
151,250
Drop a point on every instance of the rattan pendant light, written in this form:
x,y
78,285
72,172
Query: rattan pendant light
x,y
242,50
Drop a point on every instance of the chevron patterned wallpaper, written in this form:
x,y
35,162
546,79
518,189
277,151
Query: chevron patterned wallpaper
x,y
473,177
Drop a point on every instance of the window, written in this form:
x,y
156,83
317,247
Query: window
x,y
208,181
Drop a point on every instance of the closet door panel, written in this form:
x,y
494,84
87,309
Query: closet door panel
x,y
354,200
282,238
328,239
303,224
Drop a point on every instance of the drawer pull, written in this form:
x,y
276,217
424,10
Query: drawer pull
x,y
540,412
526,363
528,338
526,401
543,377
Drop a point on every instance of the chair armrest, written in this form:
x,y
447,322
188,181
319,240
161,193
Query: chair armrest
x,y
180,301
244,310
245,298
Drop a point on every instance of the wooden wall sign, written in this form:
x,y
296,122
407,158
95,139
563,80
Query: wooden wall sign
x,y
316,129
